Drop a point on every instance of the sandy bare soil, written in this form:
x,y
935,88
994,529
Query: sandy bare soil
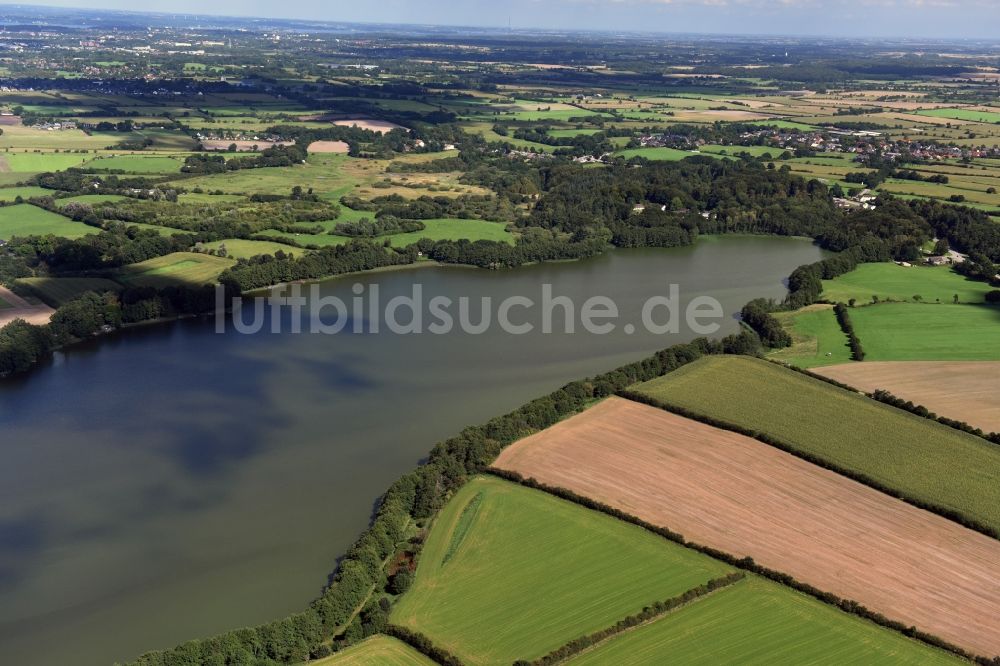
x,y
369,124
223,144
736,494
962,390
328,147
33,314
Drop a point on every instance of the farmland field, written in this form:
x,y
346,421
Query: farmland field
x,y
137,164
90,199
455,229
924,459
56,291
184,268
890,281
963,114
962,390
34,162
25,192
377,651
929,332
28,220
238,248
817,338
527,572
746,498
759,622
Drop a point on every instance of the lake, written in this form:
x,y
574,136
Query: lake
x,y
171,482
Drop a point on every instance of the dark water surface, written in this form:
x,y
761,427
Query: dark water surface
x,y
172,482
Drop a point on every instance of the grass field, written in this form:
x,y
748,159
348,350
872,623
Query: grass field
x,y
35,162
56,291
817,338
28,220
376,651
928,332
889,281
455,229
25,192
759,622
90,199
178,268
137,163
924,459
963,114
529,571
238,248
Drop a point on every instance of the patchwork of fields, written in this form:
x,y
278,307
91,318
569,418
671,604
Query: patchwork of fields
x,y
928,461
744,497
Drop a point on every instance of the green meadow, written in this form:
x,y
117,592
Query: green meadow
x,y
377,651
28,220
757,622
512,573
924,459
928,332
889,281
817,338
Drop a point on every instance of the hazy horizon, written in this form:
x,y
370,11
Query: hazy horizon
x,y
937,19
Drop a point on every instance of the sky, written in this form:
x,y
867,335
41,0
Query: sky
x,y
851,18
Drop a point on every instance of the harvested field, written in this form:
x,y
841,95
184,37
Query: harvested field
x,y
961,390
22,309
377,651
369,124
223,144
736,494
328,147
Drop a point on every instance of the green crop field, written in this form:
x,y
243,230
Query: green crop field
x,y
179,268
756,621
963,114
377,651
928,332
25,192
238,248
890,281
667,154
756,151
926,460
137,164
523,572
817,338
56,291
32,162
28,220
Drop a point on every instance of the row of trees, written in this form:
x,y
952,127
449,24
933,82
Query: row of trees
x,y
847,326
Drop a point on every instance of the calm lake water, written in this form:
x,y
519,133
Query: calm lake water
x,y
172,482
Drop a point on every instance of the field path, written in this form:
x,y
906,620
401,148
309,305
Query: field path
x,y
724,490
962,390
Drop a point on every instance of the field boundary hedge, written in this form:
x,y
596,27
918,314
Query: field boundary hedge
x,y
860,477
423,645
746,564
648,614
847,326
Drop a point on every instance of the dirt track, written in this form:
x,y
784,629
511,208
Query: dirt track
x,y
738,495
33,314
962,390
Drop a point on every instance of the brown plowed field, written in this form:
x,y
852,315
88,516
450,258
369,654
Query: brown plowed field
x,y
736,494
962,390
328,147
